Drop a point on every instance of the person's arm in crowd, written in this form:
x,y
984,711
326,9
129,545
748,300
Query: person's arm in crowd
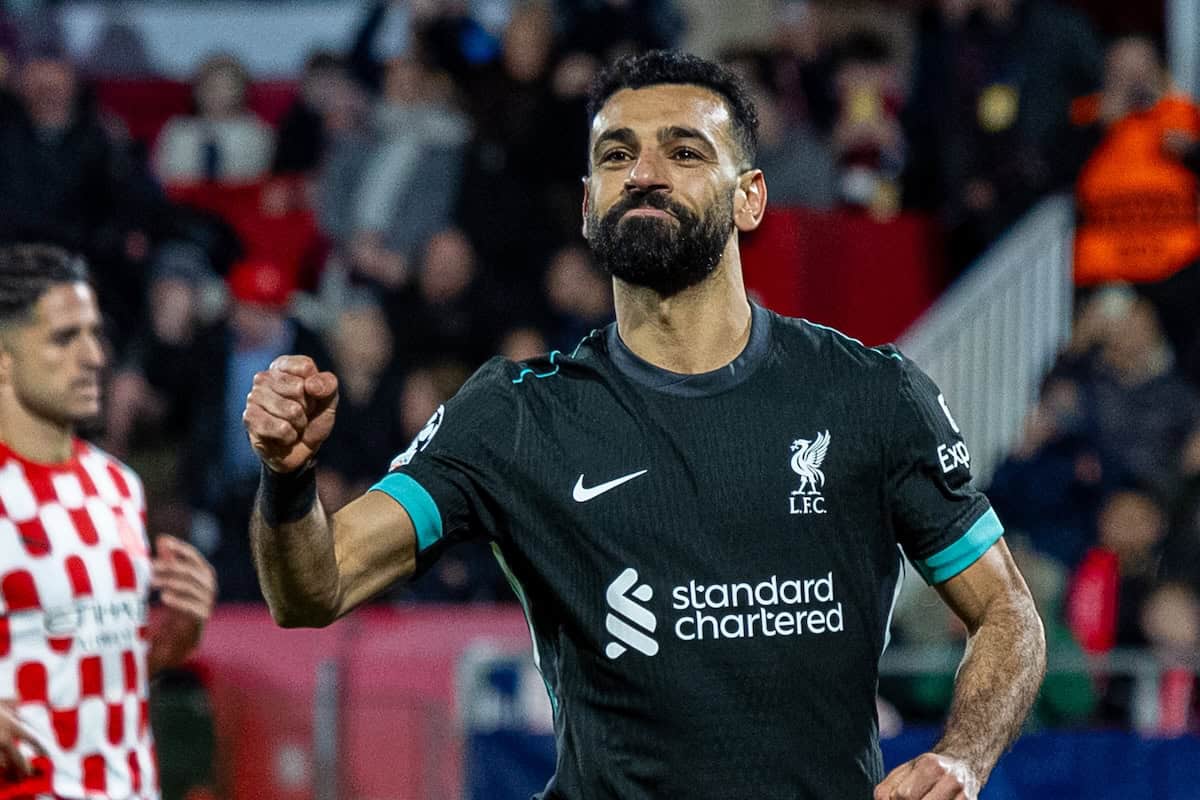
x,y
187,586
313,567
361,57
996,685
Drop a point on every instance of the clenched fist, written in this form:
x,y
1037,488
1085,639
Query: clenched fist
x,y
289,412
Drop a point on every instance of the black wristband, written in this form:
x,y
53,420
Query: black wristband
x,y
286,496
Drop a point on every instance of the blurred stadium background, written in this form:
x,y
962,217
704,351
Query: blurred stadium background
x,y
1006,187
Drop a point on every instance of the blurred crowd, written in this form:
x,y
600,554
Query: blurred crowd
x,y
414,209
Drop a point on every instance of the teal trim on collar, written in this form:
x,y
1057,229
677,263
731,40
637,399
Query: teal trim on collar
x,y
948,562
550,373
421,508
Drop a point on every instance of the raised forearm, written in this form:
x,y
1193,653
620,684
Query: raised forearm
x,y
997,683
296,563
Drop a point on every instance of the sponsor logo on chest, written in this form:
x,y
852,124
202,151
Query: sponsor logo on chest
x,y
768,608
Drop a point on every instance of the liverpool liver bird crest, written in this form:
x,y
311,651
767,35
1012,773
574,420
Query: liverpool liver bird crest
x,y
807,457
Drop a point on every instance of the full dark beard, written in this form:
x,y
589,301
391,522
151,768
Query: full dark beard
x,y
660,254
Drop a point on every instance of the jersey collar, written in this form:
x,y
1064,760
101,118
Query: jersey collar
x,y
704,383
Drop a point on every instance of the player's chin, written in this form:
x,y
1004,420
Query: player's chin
x,y
84,411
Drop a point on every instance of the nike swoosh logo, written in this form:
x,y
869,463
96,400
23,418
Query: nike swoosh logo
x,y
584,493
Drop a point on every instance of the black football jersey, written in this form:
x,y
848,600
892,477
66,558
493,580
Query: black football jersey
x,y
708,562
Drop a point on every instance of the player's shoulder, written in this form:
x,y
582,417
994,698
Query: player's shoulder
x,y
536,374
834,350
502,382
96,457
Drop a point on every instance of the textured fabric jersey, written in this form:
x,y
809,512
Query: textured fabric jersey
x,y
73,586
708,562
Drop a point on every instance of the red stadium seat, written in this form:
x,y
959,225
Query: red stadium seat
x,y
145,104
272,218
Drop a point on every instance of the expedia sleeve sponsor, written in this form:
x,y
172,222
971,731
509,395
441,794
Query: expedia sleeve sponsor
x,y
940,519
450,479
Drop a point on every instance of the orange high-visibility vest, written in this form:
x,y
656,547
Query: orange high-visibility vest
x,y
1139,216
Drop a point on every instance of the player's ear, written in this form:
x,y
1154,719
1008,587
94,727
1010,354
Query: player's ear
x,y
6,357
750,200
587,204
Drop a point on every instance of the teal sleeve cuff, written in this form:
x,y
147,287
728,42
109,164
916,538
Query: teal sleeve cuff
x,y
962,553
421,508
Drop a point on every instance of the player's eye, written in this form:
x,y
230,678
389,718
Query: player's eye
x,y
686,154
614,156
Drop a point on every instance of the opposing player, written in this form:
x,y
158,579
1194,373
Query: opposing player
x,y
704,509
77,648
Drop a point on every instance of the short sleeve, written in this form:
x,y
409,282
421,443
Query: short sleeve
x,y
941,520
450,479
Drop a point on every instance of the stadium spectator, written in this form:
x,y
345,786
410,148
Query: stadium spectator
x,y
452,311
388,188
516,164
223,141
383,36
443,36
522,342
64,180
120,51
216,472
577,296
1170,622
790,150
1050,486
1136,190
303,135
992,91
608,28
360,343
150,391
1134,152
1109,592
1117,383
802,66
868,142
1132,525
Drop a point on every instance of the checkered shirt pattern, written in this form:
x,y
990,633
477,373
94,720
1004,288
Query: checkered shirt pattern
x,y
74,582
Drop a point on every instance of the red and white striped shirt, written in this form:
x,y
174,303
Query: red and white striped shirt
x,y
74,582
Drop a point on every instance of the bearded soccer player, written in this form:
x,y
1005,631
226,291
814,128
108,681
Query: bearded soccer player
x,y
77,649
704,509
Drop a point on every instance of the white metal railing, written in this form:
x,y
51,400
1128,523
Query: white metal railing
x,y
990,338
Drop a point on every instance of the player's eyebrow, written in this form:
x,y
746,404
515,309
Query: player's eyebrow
x,y
675,132
624,136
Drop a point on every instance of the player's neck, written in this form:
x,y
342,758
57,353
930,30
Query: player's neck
x,y
32,437
698,330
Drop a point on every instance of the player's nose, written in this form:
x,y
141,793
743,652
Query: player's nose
x,y
648,173
92,353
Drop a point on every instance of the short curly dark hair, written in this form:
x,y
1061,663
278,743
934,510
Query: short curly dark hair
x,y
673,67
27,271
